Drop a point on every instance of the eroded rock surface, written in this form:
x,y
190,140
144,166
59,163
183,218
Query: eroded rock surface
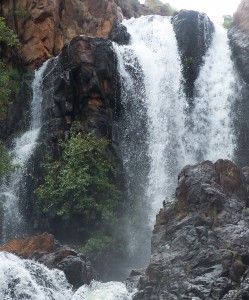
x,y
46,250
200,243
45,26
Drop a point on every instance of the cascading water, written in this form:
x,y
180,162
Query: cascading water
x,y
10,193
152,123
171,133
210,129
26,279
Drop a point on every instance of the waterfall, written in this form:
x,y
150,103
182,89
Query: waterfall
x,y
23,147
210,129
26,279
160,132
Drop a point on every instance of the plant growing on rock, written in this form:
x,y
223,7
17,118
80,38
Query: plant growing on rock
x,y
81,182
227,21
8,76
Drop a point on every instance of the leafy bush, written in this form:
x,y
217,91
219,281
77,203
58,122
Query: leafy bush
x,y
171,9
81,182
9,78
227,21
7,35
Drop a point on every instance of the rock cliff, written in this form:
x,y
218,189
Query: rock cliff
x,y
44,27
239,42
200,241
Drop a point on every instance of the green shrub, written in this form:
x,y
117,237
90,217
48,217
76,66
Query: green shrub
x,y
7,35
9,78
81,182
227,21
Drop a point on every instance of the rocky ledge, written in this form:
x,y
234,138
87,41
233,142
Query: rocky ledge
x,y
200,243
46,250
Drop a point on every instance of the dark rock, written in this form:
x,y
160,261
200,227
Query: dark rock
x,y
239,43
194,35
119,34
200,241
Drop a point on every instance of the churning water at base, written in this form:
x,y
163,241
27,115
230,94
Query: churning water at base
x,y
29,280
160,131
13,223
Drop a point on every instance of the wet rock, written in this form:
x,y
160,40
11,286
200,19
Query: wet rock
x,y
119,34
194,35
46,250
200,240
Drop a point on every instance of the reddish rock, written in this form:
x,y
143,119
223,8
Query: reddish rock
x,y
44,27
25,247
240,18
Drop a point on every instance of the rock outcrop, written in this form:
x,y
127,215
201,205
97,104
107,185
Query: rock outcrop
x,y
239,41
200,243
81,85
46,250
44,27
240,18
194,34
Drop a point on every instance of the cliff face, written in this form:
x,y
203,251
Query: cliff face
x,y
239,42
200,240
44,27
240,18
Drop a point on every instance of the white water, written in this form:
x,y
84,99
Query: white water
x,y
28,280
173,133
211,133
13,221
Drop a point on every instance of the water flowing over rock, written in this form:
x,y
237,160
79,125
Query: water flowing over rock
x,y
194,35
46,250
200,240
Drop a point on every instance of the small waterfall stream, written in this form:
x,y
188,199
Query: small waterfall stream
x,y
10,192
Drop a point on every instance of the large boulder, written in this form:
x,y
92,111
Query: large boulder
x,y
46,250
200,243
194,35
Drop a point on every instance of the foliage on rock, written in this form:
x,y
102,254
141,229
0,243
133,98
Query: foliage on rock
x,y
227,21
8,77
7,35
81,182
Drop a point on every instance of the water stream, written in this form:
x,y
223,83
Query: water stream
x,y
10,192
